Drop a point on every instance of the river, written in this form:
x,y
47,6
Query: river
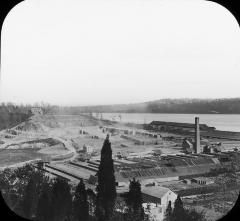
x,y
225,122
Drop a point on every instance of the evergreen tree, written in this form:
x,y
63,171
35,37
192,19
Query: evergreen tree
x,y
28,199
80,204
61,200
27,182
178,210
193,215
44,206
168,212
135,211
180,213
31,193
106,188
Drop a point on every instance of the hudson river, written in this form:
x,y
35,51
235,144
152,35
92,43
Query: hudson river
x,y
225,122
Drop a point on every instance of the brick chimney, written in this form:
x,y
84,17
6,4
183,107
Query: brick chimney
x,y
197,146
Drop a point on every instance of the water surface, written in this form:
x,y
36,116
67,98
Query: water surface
x,y
225,122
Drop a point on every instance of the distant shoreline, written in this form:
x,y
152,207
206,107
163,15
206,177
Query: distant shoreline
x,y
207,119
118,112
163,113
220,134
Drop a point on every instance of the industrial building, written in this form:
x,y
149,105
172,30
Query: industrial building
x,y
128,131
155,170
36,110
87,149
187,146
169,126
156,200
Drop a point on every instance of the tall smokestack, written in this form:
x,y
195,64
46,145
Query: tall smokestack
x,y
197,136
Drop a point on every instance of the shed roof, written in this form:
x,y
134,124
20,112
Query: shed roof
x,y
202,179
177,124
156,191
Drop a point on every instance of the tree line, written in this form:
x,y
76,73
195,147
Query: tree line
x,y
33,195
11,115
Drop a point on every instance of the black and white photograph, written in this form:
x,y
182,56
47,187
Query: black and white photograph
x,y
120,110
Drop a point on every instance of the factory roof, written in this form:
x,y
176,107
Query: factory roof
x,y
163,172
177,124
155,194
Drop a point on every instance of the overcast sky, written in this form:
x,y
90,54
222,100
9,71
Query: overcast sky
x,y
74,52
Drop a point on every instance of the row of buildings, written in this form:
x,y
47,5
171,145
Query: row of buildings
x,y
128,131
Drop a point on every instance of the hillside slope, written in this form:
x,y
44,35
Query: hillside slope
x,y
186,106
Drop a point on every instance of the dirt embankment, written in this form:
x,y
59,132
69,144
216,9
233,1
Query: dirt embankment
x,y
36,138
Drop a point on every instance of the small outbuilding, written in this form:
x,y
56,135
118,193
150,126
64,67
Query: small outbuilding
x,y
203,180
187,146
156,200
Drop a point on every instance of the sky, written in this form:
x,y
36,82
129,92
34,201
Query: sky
x,y
74,52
